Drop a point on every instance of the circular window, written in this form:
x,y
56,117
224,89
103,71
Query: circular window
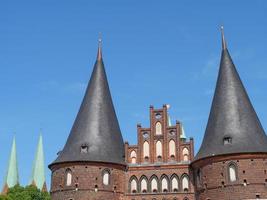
x,y
172,132
158,116
145,135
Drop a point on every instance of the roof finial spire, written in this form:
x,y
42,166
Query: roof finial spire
x,y
224,46
99,53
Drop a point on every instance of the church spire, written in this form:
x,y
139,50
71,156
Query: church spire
x,y
233,125
38,170
12,176
99,51
95,134
224,45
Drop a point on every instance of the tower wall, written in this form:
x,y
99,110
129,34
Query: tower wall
x,y
87,181
212,177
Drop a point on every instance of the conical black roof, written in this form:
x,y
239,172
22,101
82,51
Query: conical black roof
x,y
95,135
233,125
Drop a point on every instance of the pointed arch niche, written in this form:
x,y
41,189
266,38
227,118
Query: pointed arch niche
x,y
159,149
185,183
146,150
174,183
144,184
158,128
106,177
232,170
164,183
133,156
172,148
133,185
68,177
185,154
154,184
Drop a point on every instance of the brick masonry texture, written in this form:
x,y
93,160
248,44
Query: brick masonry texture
x,y
86,177
159,172
213,182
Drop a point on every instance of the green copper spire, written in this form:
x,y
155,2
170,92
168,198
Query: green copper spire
x,y
38,170
169,120
12,176
182,136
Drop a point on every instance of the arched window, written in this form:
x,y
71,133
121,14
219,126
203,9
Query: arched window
x,y
154,184
185,154
133,185
146,149
185,183
158,128
164,184
159,149
133,157
68,177
198,177
106,177
144,184
175,183
232,172
172,148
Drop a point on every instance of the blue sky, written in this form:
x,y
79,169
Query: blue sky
x,y
155,53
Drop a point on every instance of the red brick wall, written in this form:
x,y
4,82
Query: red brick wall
x,y
162,196
215,182
158,171
85,177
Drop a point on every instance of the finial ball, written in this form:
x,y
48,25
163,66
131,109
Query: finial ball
x,y
100,37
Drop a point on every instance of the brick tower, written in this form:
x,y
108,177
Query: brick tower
x,y
91,166
232,160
